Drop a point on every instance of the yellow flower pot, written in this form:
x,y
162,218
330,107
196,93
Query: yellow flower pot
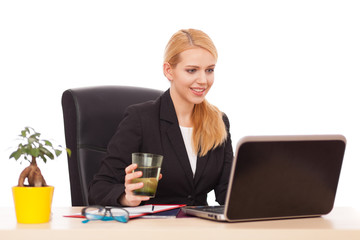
x,y
33,204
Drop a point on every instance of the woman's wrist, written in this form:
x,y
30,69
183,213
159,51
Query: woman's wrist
x,y
122,200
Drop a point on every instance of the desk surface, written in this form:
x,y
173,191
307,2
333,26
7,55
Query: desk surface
x,y
341,223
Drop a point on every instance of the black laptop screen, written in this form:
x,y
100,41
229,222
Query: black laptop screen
x,y
285,178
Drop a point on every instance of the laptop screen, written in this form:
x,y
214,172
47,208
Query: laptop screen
x,y
278,178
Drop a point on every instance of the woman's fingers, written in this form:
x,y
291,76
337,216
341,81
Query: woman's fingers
x,y
129,198
133,186
136,200
130,168
131,176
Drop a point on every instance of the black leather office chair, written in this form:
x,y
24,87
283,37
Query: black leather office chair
x,y
91,116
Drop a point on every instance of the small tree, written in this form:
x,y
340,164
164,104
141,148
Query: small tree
x,y
32,146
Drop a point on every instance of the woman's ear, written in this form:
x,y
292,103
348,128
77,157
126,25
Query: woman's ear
x,y
168,71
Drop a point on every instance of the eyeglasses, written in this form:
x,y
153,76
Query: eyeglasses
x,y
105,214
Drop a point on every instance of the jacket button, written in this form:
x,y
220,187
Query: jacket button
x,y
189,197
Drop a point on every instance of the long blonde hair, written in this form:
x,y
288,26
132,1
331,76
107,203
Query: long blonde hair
x,y
209,130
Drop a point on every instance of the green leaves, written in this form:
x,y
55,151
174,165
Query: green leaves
x,y
23,132
35,147
17,154
48,143
58,152
34,152
68,152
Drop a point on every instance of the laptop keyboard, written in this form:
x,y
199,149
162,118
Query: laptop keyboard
x,y
214,209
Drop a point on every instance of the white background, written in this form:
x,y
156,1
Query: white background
x,y
285,67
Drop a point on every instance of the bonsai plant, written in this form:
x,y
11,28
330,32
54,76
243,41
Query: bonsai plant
x,y
32,146
33,201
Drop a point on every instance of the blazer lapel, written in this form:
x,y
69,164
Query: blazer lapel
x,y
170,125
200,166
177,142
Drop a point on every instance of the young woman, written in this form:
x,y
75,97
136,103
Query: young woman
x,y
191,134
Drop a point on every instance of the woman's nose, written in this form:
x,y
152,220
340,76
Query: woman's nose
x,y
202,78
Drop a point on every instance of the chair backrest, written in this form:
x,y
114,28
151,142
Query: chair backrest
x,y
91,116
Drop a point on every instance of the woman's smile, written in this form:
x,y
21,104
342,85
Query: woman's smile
x,y
198,91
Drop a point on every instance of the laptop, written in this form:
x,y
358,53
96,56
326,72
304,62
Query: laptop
x,y
277,177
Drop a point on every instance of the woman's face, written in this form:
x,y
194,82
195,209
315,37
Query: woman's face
x,y
192,77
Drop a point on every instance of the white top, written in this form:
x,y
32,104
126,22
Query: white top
x,y
187,136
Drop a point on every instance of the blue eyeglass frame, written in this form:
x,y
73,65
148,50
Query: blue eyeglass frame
x,y
104,217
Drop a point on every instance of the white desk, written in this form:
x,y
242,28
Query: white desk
x,y
341,223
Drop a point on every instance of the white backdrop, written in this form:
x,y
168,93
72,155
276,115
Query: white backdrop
x,y
285,67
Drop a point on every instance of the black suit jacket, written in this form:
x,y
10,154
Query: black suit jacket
x,y
153,127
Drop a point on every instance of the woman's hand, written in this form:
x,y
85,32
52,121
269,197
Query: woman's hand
x,y
128,198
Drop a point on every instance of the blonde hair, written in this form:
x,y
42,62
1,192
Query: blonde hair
x,y
209,130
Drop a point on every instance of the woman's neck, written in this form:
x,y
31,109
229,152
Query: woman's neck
x,y
183,110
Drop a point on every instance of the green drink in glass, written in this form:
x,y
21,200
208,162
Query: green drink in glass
x,y
150,165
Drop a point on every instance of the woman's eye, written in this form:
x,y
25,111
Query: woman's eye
x,y
211,70
191,70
